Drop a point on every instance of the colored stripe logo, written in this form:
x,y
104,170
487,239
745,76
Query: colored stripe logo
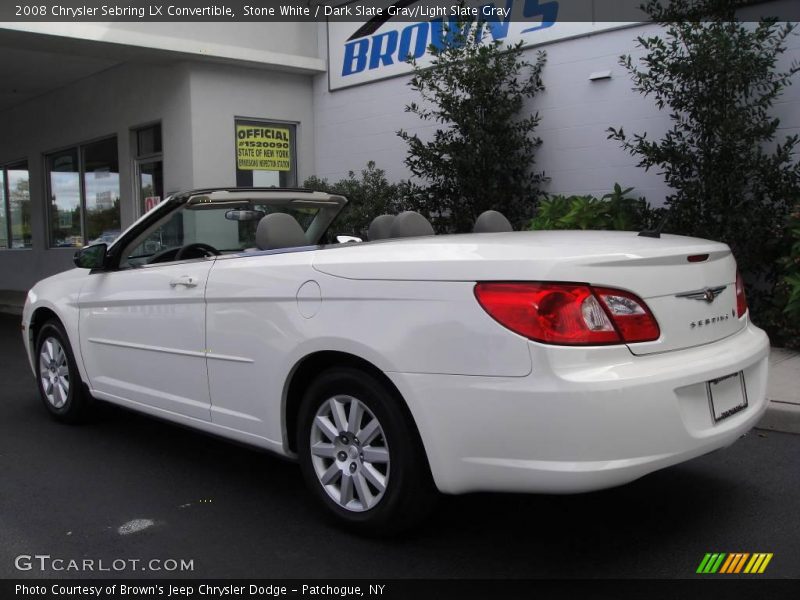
x,y
734,563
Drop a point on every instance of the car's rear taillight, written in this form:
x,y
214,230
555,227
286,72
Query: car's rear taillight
x,y
630,314
741,299
571,314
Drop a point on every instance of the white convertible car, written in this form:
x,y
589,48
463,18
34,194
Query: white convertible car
x,y
550,361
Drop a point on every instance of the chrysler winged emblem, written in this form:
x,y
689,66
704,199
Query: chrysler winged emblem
x,y
708,294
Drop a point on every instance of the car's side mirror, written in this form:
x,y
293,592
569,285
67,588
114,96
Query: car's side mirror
x,y
91,257
345,239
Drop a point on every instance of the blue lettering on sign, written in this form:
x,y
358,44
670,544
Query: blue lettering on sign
x,y
355,56
384,49
499,29
417,35
380,54
548,11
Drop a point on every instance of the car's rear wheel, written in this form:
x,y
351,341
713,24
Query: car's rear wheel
x,y
60,385
361,455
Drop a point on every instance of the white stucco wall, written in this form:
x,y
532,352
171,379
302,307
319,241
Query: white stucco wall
x,y
358,124
221,93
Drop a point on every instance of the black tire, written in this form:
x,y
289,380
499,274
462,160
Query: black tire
x,y
74,406
409,494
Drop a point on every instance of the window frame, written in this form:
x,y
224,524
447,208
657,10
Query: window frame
x,y
4,167
294,127
140,160
78,147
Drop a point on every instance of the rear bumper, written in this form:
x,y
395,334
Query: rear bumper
x,y
585,418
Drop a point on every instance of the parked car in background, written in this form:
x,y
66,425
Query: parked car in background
x,y
410,364
107,237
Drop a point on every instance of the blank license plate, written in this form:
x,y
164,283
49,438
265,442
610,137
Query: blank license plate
x,y
727,396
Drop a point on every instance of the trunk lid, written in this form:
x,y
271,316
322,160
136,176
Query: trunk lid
x,y
655,269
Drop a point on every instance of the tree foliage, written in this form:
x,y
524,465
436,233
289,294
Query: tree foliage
x,y
791,265
369,195
481,155
732,179
785,311
615,211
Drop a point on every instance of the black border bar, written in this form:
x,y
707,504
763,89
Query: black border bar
x,y
361,11
709,586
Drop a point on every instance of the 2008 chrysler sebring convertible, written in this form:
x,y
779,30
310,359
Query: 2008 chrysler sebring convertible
x,y
547,361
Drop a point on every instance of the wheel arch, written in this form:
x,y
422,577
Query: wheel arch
x,y
301,376
39,317
43,314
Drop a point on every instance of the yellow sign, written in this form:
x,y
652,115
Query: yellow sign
x,y
263,148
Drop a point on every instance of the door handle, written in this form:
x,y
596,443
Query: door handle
x,y
184,280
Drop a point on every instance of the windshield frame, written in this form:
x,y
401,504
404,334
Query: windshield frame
x,y
329,205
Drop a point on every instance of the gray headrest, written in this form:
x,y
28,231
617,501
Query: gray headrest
x,y
491,221
380,227
279,230
410,224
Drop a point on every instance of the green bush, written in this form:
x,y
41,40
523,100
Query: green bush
x,y
781,318
482,152
615,211
733,175
791,265
368,196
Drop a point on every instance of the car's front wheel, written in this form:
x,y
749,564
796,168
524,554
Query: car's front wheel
x,y
361,455
57,374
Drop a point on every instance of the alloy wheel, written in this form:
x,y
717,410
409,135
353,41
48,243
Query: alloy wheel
x,y
350,453
54,372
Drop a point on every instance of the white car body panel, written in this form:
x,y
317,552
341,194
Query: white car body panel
x,y
653,268
258,315
139,327
586,419
495,411
58,294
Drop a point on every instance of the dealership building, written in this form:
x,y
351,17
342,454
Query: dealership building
x,y
101,120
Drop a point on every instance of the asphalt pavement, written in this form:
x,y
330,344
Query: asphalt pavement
x,y
126,487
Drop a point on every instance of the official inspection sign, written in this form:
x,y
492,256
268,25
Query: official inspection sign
x,y
262,148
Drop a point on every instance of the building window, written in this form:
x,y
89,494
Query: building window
x,y
83,185
266,154
15,206
148,167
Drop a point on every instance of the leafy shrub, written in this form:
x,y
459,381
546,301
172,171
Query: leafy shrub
x,y
481,156
614,211
781,316
791,265
368,196
733,179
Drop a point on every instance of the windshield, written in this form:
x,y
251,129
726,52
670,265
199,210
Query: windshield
x,y
228,226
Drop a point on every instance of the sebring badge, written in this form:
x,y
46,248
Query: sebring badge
x,y
707,294
710,320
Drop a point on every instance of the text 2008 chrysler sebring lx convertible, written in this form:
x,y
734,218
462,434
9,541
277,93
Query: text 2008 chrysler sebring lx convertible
x,y
557,361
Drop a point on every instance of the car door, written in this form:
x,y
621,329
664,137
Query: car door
x,y
253,327
142,336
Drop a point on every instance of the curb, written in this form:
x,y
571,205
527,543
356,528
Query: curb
x,y
781,416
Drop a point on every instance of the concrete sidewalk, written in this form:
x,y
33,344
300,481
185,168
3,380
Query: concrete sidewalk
x,y
783,392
